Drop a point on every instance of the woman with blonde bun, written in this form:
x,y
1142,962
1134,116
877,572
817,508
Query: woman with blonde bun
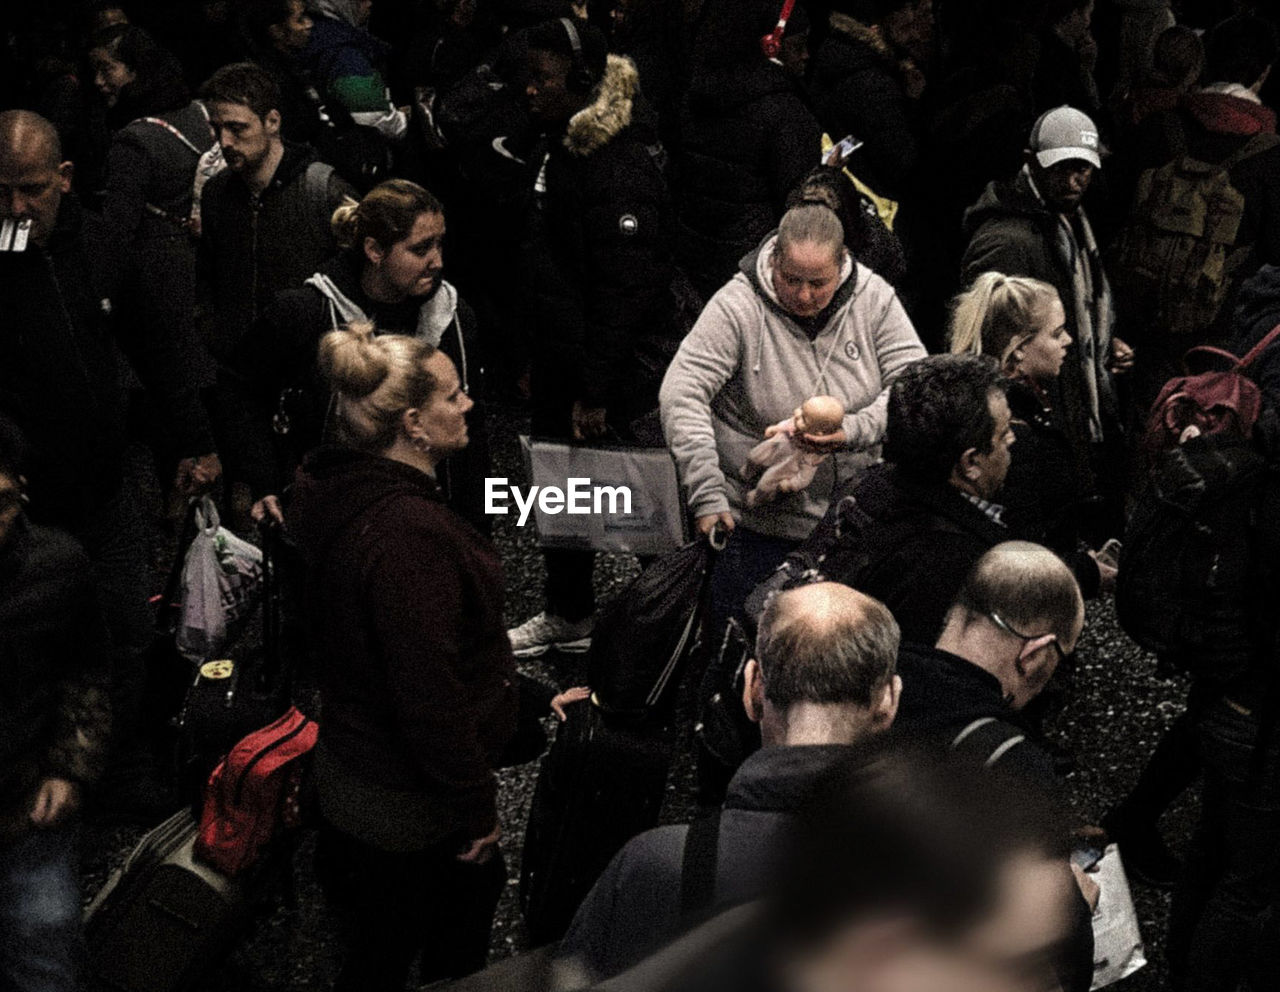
x,y
389,273
417,681
1020,322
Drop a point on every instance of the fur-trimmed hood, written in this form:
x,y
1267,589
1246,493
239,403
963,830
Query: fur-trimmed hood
x,y
609,113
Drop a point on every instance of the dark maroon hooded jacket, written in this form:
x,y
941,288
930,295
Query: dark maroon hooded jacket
x,y
417,679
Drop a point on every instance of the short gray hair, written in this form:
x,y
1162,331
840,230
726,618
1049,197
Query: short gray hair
x,y
825,643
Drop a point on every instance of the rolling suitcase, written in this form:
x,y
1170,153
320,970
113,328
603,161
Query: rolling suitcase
x,y
601,783
164,919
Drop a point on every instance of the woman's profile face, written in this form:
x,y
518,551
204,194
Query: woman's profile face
x,y
1044,352
414,264
444,417
806,276
110,75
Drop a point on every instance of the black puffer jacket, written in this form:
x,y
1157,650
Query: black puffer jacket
x,y
600,261
54,714
279,357
747,139
252,247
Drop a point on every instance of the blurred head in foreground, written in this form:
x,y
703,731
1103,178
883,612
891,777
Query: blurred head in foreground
x,y
912,872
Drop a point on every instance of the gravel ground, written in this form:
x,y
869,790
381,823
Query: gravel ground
x,y
1117,708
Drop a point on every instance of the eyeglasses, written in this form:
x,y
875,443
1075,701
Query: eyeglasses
x,y
999,621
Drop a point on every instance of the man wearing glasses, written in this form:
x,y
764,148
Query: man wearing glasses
x,y
1016,618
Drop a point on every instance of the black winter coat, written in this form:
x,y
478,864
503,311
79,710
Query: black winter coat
x,y
1042,496
252,247
600,264
54,715
146,205
60,371
634,908
922,542
943,695
859,91
747,139
279,357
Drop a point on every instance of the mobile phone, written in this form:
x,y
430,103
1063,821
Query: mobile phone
x,y
1109,554
1085,858
841,150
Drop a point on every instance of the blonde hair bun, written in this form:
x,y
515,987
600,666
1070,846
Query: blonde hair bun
x,y
353,361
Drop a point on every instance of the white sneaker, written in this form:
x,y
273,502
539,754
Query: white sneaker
x,y
538,635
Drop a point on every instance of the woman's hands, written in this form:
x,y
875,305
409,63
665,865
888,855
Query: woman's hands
x,y
575,695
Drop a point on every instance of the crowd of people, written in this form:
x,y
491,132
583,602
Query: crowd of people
x,y
982,233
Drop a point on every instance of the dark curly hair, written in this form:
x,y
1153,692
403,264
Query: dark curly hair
x,y
939,408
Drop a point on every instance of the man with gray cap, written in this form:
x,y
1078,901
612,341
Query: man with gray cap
x,y
1034,225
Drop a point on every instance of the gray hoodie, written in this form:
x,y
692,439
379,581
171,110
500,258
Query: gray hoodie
x,y
748,364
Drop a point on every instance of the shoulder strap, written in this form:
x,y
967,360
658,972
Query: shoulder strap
x,y
1256,351
1006,743
698,868
1256,145
161,122
316,179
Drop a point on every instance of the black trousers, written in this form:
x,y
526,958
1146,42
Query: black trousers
x,y
402,906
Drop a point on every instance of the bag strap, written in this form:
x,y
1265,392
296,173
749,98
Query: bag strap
x,y
316,179
1256,351
698,868
161,122
1256,145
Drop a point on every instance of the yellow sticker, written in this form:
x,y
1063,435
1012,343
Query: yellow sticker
x,y
217,669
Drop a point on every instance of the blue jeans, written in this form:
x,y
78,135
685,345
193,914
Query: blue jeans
x,y
1224,920
40,912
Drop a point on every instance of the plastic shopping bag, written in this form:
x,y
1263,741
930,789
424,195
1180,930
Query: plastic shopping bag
x,y
1117,943
221,582
628,498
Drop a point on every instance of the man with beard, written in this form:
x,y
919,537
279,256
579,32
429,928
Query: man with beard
x,y
266,218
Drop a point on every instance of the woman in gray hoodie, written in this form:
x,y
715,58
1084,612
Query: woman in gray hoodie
x,y
802,318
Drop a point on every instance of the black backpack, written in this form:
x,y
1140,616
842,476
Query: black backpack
x,y
1188,589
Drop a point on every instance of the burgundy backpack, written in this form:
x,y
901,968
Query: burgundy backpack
x,y
1213,402
254,794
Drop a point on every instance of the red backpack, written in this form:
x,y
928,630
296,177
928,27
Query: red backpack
x,y
253,794
1213,402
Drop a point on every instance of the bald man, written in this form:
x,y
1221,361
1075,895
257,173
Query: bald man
x,y
1017,616
33,177
60,383
822,678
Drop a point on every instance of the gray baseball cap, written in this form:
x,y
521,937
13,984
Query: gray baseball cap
x,y
1065,133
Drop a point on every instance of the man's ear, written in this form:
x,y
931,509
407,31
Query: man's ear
x,y
1037,660
753,691
885,709
272,122
968,467
373,251
66,171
